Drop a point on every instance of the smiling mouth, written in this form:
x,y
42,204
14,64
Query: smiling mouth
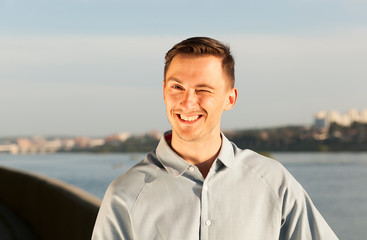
x,y
189,118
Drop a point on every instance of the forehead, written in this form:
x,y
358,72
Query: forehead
x,y
203,66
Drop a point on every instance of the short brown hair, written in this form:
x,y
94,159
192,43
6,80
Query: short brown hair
x,y
197,46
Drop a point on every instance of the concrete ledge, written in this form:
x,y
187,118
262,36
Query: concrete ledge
x,y
51,208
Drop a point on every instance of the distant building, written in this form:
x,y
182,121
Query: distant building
x,y
155,134
323,119
68,144
353,116
117,138
123,136
363,116
25,145
96,142
81,142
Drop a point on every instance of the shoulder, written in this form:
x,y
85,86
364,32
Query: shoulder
x,y
129,185
258,163
272,172
248,160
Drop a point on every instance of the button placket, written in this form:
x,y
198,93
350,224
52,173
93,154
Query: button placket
x,y
206,221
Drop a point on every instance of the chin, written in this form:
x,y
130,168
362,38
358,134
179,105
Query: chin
x,y
189,136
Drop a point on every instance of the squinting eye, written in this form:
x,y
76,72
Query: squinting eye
x,y
203,90
177,87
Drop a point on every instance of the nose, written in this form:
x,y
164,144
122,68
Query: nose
x,y
189,101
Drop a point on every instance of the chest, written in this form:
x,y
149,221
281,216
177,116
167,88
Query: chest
x,y
221,207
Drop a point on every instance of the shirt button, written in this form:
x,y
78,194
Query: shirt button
x,y
191,168
205,188
208,222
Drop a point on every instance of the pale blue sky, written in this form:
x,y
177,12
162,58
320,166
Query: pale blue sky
x,y
93,67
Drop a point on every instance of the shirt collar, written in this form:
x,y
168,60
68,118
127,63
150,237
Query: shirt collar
x,y
176,166
171,161
226,154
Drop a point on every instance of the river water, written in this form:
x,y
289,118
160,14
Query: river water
x,y
336,182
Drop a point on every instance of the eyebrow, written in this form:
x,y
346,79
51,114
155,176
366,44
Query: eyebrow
x,y
205,86
174,80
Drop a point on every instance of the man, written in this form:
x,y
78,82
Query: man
x,y
197,184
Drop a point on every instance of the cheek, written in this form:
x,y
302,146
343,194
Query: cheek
x,y
206,100
172,97
211,104
171,101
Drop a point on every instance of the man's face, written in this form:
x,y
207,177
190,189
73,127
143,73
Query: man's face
x,y
196,92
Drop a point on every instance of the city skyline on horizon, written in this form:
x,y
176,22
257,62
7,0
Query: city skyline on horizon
x,y
96,67
344,118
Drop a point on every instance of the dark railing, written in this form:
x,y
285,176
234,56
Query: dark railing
x,y
50,208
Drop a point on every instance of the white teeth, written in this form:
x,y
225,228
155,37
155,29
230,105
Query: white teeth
x,y
189,119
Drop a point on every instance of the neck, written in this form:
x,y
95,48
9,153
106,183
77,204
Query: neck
x,y
200,153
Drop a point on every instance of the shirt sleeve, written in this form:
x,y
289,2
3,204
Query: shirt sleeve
x,y
300,218
114,219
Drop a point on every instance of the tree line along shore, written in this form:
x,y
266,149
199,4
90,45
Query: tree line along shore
x,y
335,138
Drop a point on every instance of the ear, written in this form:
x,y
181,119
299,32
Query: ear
x,y
231,99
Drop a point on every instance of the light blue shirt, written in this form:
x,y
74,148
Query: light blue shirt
x,y
244,196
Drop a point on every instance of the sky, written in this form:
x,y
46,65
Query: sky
x,y
95,67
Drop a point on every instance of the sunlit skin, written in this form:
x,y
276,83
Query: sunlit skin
x,y
196,91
